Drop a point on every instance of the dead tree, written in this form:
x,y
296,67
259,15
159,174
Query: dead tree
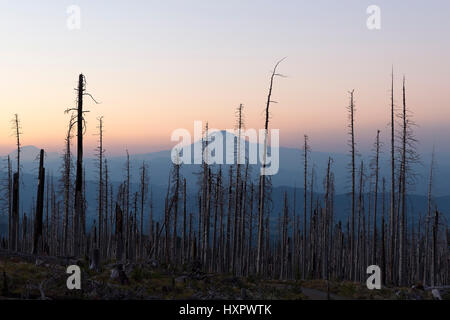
x,y
351,109
143,198
262,183
119,233
100,153
15,213
37,237
175,204
126,199
376,168
383,234
428,219
16,187
9,189
183,238
17,132
237,190
284,238
67,184
408,156
306,150
79,203
392,202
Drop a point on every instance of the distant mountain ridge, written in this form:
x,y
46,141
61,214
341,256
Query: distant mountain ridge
x,y
290,171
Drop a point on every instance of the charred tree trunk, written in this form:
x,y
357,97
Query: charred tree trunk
x,y
37,237
374,240
119,233
262,183
79,201
353,174
392,202
15,213
305,192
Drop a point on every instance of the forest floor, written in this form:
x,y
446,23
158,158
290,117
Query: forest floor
x,y
27,277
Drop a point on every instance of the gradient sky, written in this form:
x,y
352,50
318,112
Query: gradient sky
x,y
159,65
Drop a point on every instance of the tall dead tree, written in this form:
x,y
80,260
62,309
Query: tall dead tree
x,y
351,110
100,154
9,189
376,169
37,237
16,186
237,190
428,219
392,202
183,238
67,185
175,204
402,249
126,199
262,183
383,233
306,150
143,198
408,157
79,203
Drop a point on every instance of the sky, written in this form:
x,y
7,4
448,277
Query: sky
x,y
157,66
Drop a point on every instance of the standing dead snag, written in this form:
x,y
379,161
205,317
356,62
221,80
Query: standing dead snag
x,y
351,109
144,188
119,233
15,213
402,249
79,204
392,204
262,178
9,188
428,218
408,156
383,234
67,185
376,164
306,149
100,185
37,238
16,127
79,173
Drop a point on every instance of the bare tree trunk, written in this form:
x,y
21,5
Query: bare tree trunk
x,y
402,249
374,240
183,245
392,205
119,233
351,109
262,175
100,185
428,219
228,232
144,187
434,254
37,238
10,205
15,213
306,149
216,208
383,236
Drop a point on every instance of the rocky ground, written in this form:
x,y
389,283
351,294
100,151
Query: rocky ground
x,y
28,277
